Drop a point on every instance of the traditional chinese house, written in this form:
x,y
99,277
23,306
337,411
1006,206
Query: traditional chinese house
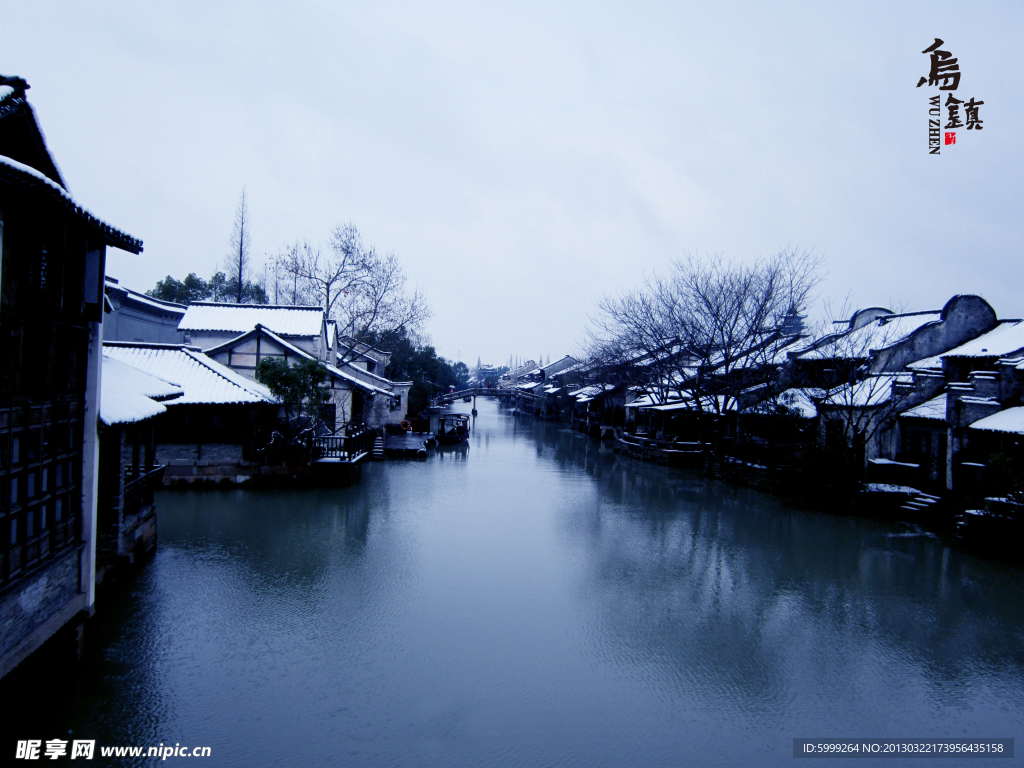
x,y
51,307
215,428
240,335
208,324
354,401
134,316
130,401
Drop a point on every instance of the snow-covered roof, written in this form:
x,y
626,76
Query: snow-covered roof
x,y
559,360
138,380
141,298
764,349
126,393
349,355
927,364
367,377
531,385
801,401
589,393
574,368
238,318
708,404
878,334
356,344
972,400
652,398
773,354
680,406
872,391
26,175
204,381
934,409
1011,420
1005,339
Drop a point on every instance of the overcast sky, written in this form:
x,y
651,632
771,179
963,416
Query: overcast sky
x,y
523,158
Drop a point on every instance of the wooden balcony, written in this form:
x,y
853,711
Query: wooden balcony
x,y
138,491
348,448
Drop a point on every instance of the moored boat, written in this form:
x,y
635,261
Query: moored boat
x,y
452,428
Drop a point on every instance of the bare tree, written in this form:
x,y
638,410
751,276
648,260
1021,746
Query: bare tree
x,y
290,286
729,317
237,263
708,329
859,396
630,342
340,272
380,306
363,291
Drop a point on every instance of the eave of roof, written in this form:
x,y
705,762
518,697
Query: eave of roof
x,y
111,284
252,391
24,176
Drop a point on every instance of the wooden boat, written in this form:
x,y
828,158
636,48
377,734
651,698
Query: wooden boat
x,y
452,428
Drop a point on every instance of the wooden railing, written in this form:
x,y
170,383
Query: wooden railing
x,y
348,447
139,490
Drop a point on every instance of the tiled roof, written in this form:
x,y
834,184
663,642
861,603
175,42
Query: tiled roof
x,y
203,380
241,318
1011,420
27,177
878,334
1006,338
801,401
171,307
126,393
870,392
934,409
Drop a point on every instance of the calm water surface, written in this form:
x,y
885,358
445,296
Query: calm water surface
x,y
534,600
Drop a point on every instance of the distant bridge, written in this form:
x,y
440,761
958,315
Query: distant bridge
x,y
474,392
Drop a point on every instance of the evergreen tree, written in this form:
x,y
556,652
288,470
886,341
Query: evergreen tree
x,y
238,259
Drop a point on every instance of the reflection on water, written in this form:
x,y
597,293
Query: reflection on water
x,y
530,598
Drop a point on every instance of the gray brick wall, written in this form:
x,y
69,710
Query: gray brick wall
x,y
32,602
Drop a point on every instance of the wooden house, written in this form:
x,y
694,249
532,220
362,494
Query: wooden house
x,y
51,310
234,334
128,472
355,400
208,324
213,430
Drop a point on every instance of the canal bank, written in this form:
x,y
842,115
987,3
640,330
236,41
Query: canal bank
x,y
532,598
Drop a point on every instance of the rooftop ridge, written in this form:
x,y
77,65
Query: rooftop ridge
x,y
152,345
911,314
305,307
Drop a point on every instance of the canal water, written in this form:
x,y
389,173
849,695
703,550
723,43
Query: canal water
x,y
531,599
